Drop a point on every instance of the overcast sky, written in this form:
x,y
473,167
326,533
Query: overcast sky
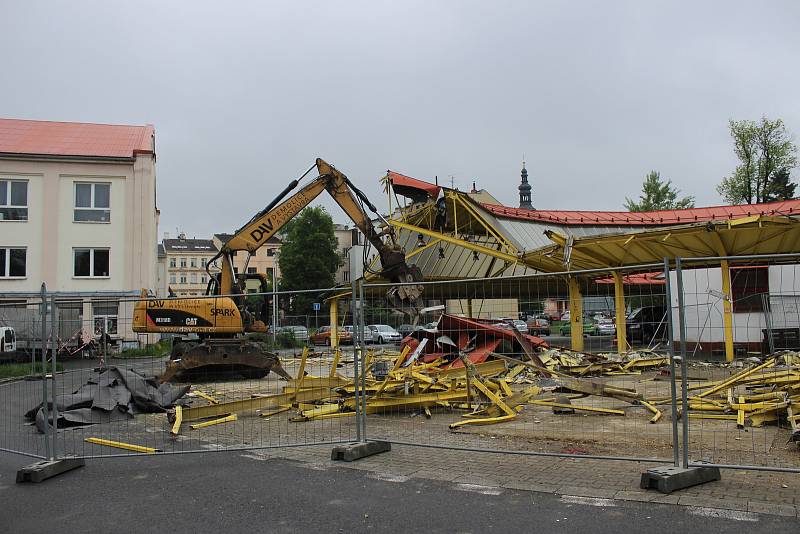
x,y
244,96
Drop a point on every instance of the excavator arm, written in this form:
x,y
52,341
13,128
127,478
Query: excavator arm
x,y
271,219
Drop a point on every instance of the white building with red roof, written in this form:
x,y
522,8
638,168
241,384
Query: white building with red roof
x,y
78,212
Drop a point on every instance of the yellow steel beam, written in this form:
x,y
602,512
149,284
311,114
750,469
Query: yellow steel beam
x,y
727,309
334,315
608,411
227,419
257,403
736,378
176,424
121,445
301,371
482,421
458,242
270,413
485,224
656,412
575,314
619,310
205,396
727,304
337,355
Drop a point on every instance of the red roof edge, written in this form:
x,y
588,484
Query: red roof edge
x,y
401,181
615,218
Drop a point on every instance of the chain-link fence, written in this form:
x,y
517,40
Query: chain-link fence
x,y
570,364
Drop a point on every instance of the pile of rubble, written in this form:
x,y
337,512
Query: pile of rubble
x,y
767,391
491,374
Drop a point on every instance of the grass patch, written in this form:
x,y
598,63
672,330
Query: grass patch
x,y
156,350
11,370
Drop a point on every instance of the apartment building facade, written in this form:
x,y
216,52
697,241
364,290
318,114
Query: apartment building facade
x,y
78,212
187,263
264,261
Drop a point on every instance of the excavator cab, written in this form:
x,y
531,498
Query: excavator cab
x,y
251,299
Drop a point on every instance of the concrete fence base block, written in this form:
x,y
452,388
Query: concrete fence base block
x,y
41,471
669,479
356,451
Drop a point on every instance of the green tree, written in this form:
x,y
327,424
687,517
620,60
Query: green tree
x,y
308,257
781,187
658,194
765,151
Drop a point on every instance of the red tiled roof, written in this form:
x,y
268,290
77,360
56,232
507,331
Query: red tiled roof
x,y
647,218
617,218
74,139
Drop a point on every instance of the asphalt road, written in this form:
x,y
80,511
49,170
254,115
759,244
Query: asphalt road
x,y
232,492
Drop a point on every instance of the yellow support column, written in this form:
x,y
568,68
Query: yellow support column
x,y
334,311
619,310
575,314
727,309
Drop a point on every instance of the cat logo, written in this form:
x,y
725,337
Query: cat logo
x,y
191,321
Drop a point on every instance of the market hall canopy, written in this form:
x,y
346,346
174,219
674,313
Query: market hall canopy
x,y
450,234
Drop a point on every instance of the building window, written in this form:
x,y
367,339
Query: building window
x,y
92,202
270,252
235,270
173,279
346,276
13,262
183,279
203,262
173,262
193,278
13,200
270,272
748,286
105,317
193,263
203,279
91,262
183,263
252,270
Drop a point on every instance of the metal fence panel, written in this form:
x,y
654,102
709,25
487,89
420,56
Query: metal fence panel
x,y
25,354
112,399
557,399
742,385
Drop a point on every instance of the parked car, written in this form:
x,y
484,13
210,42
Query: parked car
x,y
605,327
367,333
539,325
383,333
647,324
300,333
589,328
323,336
521,326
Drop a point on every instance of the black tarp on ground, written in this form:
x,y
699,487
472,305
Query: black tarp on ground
x,y
112,394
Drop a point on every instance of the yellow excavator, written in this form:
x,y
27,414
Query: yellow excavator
x,y
222,318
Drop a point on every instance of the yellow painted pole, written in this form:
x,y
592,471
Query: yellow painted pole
x,y
619,310
334,312
727,309
575,314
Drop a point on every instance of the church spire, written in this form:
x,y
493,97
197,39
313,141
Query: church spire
x,y
525,190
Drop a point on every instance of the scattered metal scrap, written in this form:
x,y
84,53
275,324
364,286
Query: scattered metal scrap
x,y
492,374
763,392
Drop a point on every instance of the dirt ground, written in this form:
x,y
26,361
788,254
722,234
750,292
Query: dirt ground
x,y
537,428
